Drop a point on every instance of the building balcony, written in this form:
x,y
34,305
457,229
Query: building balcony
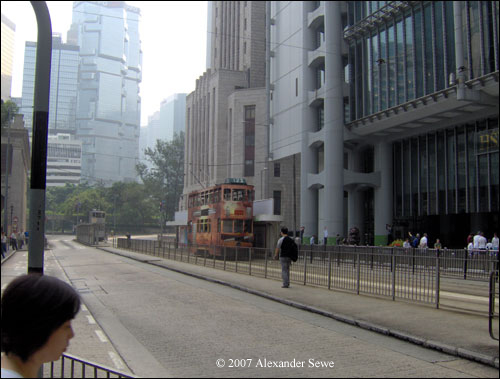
x,y
316,57
316,17
316,139
316,181
316,97
360,179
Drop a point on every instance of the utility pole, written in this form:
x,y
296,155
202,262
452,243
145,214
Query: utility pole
x,y
40,132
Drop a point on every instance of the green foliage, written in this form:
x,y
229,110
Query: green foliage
x,y
9,109
125,204
165,181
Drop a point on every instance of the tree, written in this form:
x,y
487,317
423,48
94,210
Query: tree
x,y
165,181
130,206
9,109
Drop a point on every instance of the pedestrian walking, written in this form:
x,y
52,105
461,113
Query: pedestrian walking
x,y
283,253
36,323
302,230
13,241
19,238
4,244
325,235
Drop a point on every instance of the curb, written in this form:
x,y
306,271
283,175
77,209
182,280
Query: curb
x,y
431,344
8,256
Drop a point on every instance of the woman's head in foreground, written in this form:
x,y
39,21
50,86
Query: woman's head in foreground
x,y
36,313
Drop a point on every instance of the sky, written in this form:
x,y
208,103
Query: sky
x,y
173,35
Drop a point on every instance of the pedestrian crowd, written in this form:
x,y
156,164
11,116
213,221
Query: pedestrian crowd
x,y
16,241
475,243
479,243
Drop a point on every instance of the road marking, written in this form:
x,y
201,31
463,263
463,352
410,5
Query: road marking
x,y
101,336
116,360
91,320
84,308
4,286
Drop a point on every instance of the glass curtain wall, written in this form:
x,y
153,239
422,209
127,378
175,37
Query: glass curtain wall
x,y
411,53
452,171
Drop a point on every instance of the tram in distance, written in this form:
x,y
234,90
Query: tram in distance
x,y
98,218
220,217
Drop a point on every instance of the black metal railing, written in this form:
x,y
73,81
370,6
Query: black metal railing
x,y
493,311
398,273
70,366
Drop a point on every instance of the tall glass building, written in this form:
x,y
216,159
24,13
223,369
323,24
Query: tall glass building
x,y
63,86
393,108
108,111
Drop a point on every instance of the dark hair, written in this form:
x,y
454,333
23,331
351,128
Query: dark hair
x,y
284,230
33,307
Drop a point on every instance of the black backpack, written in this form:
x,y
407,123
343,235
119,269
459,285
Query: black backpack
x,y
290,248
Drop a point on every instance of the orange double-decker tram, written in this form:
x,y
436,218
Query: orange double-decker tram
x,y
221,216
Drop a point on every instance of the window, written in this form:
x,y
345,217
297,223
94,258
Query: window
x,y
277,202
277,170
227,226
249,140
238,226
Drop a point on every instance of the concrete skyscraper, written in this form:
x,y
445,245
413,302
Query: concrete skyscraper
x,y
393,109
108,111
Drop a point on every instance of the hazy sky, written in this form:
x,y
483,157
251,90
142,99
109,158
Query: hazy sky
x,y
173,35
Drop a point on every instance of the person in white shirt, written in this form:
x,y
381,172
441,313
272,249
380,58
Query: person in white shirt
x,y
406,244
476,240
494,242
423,242
482,241
325,235
470,249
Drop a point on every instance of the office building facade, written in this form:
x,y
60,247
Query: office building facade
x,y
226,114
393,108
8,35
63,86
172,118
108,110
64,160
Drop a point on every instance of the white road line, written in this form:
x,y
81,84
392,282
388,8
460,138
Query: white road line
x,y
4,286
116,360
101,336
91,320
83,308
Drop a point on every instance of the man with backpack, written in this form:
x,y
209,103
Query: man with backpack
x,y
286,251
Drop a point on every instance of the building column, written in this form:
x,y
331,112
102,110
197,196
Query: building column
x,y
355,211
383,195
308,159
334,123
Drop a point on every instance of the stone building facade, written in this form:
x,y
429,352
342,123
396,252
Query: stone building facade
x,y
19,164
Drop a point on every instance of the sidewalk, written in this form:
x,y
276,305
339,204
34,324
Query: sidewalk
x,y
452,332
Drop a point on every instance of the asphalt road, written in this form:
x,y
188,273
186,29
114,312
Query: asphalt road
x,y
163,323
